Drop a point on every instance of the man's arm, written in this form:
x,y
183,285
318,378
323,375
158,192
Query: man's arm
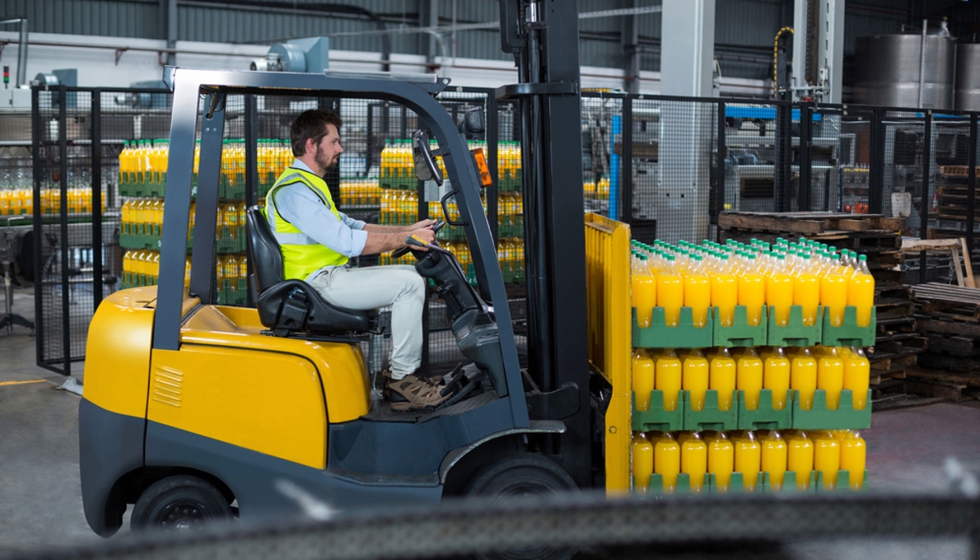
x,y
377,228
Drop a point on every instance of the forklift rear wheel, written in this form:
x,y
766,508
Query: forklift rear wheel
x,y
178,504
517,476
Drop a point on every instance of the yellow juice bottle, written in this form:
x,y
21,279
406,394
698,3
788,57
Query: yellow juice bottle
x,y
724,292
155,268
861,292
643,378
721,460
721,377
752,293
830,376
806,292
775,377
128,267
803,377
667,461
833,296
697,292
670,292
644,290
748,459
694,461
857,377
749,377
774,459
826,457
779,292
668,377
642,463
695,377
799,458
853,458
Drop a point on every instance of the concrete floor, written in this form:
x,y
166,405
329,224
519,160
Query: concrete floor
x,y
41,506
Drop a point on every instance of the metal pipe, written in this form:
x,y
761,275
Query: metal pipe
x,y
21,50
922,61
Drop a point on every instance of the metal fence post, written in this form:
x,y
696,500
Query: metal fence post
x,y
971,177
36,140
876,174
493,139
96,175
806,146
626,176
63,218
926,199
722,152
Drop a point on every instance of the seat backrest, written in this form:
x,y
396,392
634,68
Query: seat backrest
x,y
263,250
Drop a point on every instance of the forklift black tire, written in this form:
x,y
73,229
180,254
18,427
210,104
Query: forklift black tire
x,y
516,476
179,503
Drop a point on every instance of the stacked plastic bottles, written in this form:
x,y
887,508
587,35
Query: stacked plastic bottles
x,y
747,461
359,192
597,190
756,275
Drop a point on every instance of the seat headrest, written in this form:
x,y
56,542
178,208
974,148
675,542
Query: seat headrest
x,y
263,250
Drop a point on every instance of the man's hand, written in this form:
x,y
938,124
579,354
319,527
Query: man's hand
x,y
425,234
422,224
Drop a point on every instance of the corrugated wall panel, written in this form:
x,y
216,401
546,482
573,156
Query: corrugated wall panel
x,y
110,18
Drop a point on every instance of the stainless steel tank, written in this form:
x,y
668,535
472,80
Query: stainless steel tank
x,y
886,71
967,93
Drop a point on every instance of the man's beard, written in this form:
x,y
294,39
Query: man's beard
x,y
322,161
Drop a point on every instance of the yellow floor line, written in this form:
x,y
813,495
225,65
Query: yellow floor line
x,y
2,383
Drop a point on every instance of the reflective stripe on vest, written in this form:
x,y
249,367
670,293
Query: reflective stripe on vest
x,y
301,255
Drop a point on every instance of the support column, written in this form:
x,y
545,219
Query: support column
x,y
631,55
168,20
818,49
686,67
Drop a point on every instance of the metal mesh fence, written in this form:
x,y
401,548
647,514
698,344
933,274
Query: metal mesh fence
x,y
665,165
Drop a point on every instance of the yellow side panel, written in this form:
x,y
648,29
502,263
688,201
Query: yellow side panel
x,y
341,365
608,287
263,401
117,352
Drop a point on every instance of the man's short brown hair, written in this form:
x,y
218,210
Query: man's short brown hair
x,y
311,124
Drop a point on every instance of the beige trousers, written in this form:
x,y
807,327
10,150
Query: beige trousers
x,y
399,286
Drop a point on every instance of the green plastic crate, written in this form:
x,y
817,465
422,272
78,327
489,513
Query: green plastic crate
x,y
765,417
684,335
849,333
711,417
740,333
819,417
795,333
657,418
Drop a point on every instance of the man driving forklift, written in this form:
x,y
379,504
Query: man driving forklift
x,y
317,242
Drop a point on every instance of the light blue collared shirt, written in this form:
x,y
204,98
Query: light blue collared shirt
x,y
303,208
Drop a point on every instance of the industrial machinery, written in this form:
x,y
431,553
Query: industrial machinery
x,y
192,407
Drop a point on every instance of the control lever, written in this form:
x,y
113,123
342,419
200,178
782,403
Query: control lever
x,y
412,240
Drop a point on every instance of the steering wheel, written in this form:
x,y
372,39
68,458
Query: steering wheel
x,y
398,253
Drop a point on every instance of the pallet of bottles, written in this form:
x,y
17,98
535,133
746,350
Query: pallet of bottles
x,y
142,222
398,165
356,194
739,462
803,388
142,268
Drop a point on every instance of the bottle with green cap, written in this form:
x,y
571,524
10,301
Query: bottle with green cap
x,y
861,291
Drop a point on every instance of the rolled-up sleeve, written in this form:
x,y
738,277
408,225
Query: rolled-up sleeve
x,y
301,207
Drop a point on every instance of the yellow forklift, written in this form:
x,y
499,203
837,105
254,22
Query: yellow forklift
x,y
193,410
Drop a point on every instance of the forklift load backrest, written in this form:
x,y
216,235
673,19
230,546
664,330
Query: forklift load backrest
x,y
292,305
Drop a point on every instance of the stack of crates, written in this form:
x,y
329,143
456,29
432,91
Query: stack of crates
x,y
748,372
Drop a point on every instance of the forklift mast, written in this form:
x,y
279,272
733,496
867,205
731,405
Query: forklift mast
x,y
543,36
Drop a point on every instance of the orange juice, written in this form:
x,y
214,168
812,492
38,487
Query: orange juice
x,y
803,377
668,377
721,377
853,458
752,295
721,460
724,296
830,376
833,296
694,461
748,460
695,377
857,374
748,377
861,292
774,459
644,291
806,294
779,297
826,458
642,462
670,292
697,293
775,377
643,378
667,461
799,450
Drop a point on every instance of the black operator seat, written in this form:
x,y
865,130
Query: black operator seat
x,y
289,306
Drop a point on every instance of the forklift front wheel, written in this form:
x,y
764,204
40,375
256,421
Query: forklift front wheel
x,y
179,504
521,475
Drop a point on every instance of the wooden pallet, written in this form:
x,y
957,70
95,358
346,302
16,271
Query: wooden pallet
x,y
958,170
944,301
956,247
808,223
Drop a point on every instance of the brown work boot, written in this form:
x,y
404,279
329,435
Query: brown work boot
x,y
414,393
